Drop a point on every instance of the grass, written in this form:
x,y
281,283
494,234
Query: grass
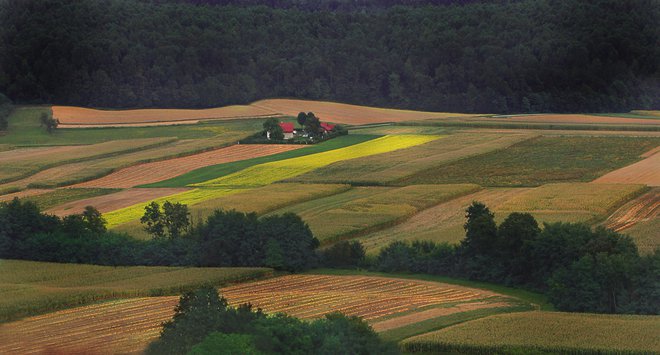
x,y
220,170
58,197
388,167
268,173
25,130
542,332
29,287
540,161
365,209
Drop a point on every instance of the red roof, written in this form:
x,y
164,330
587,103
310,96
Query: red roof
x,y
287,127
327,126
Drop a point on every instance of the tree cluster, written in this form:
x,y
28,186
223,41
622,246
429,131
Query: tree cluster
x,y
580,269
224,239
205,324
481,56
5,109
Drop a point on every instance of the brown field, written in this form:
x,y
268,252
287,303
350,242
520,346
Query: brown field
x,y
165,169
391,166
646,235
111,202
441,223
127,326
572,119
124,326
643,208
348,114
22,194
71,117
645,172
24,161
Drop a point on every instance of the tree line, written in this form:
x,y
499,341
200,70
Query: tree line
x,y
205,324
580,269
474,56
226,238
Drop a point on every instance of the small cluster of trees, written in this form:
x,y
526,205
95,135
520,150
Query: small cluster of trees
x,y
226,238
205,324
48,122
5,109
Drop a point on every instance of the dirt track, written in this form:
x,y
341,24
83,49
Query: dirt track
x,y
166,169
641,209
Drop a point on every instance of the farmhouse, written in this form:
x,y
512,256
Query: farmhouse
x,y
326,127
287,128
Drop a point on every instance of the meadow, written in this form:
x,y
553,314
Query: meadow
x,y
29,287
364,209
541,160
542,332
388,167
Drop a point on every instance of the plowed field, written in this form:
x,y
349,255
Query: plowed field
x,y
645,172
348,114
114,201
166,169
641,209
70,117
128,326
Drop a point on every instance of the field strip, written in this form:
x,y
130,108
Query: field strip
x,y
643,208
166,169
570,119
346,113
443,222
129,325
417,317
114,201
645,172
23,194
189,197
553,332
267,173
73,117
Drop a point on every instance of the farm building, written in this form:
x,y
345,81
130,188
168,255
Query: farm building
x,y
287,128
327,127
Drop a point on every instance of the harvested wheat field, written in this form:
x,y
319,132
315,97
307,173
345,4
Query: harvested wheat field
x,y
127,326
645,172
166,169
124,326
573,119
71,117
641,209
115,201
369,297
348,114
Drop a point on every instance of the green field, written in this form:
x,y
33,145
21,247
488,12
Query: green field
x,y
388,167
542,332
364,209
29,287
25,130
540,161
215,171
646,235
62,196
